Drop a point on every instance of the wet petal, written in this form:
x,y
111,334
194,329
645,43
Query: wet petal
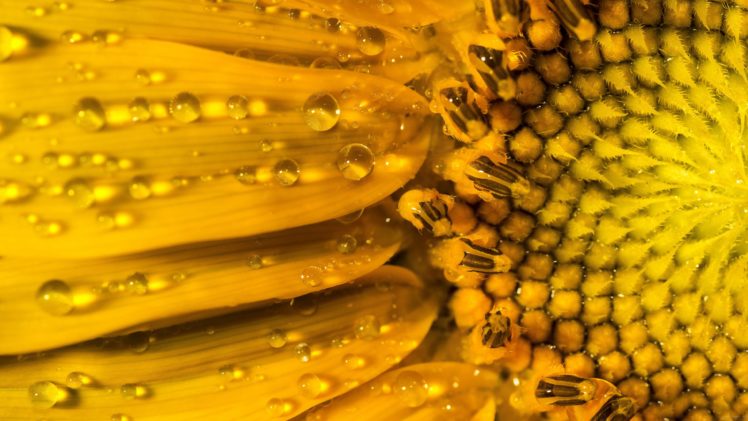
x,y
101,176
444,390
287,33
151,289
231,362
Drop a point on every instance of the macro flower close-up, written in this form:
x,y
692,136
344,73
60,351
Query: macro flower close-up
x,y
374,209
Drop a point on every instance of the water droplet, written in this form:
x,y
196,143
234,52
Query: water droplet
x,y
47,394
139,188
55,297
332,24
138,342
325,63
104,38
185,107
370,40
76,380
120,417
366,327
140,109
36,120
311,276
321,112
286,172
135,391
6,43
232,372
277,338
244,53
278,407
73,37
303,352
411,388
266,145
36,11
89,114
48,228
236,107
355,161
136,284
143,77
80,193
305,305
254,261
310,385
353,362
347,244
246,175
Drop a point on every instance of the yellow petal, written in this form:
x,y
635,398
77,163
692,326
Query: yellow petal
x,y
395,15
434,391
287,33
225,368
153,289
131,186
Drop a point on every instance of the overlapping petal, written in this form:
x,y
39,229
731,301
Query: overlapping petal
x,y
136,185
160,286
275,361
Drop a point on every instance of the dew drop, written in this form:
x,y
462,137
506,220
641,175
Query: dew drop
x,y
305,305
370,40
321,112
55,297
237,107
254,261
311,276
347,244
76,380
286,172
303,352
120,417
332,24
310,385
136,284
278,407
244,53
104,38
6,43
36,120
277,338
89,114
135,391
73,37
138,342
366,327
140,109
80,192
139,188
266,145
246,175
143,77
47,394
325,63
48,228
232,372
355,161
411,388
353,362
185,107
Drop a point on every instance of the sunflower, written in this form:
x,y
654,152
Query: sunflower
x,y
391,209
